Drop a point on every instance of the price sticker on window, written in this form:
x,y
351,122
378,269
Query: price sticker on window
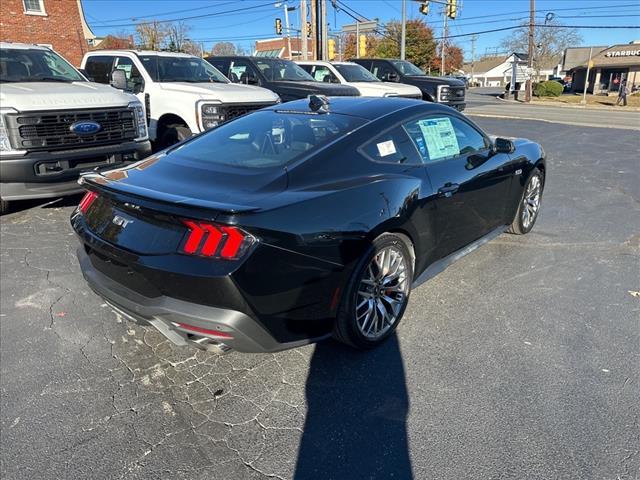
x,y
386,148
440,138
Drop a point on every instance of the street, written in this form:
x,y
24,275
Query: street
x,y
520,361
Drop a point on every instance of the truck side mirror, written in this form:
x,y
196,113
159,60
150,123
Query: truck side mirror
x,y
118,79
391,77
84,72
252,80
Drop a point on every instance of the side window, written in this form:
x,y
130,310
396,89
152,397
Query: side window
x,y
365,63
307,68
98,67
323,74
241,71
442,137
381,70
134,79
222,65
393,146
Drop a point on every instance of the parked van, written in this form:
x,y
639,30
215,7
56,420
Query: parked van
x,y
182,94
55,124
354,75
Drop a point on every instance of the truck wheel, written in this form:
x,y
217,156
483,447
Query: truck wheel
x,y
4,207
173,134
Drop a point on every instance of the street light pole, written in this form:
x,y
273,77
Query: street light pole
x,y
444,40
586,79
403,40
303,28
286,25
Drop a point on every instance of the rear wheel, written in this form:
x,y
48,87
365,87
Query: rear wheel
x,y
377,294
173,134
4,207
529,207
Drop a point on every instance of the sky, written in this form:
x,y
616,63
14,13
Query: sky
x,y
244,21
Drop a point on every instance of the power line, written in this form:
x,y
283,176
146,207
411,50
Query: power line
x,y
206,15
514,27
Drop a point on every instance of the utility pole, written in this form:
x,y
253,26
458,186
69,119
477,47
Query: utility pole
x,y
314,28
403,41
473,58
444,39
532,14
303,28
286,25
325,31
586,79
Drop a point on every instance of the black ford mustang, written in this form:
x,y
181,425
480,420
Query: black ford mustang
x,y
301,220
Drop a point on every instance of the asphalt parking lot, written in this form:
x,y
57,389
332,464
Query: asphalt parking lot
x,y
521,361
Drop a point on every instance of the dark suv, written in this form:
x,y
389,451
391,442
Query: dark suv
x,y
284,77
445,90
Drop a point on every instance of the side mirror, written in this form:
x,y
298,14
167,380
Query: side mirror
x,y
503,145
391,77
118,80
252,80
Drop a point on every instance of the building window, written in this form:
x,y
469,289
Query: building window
x,y
34,7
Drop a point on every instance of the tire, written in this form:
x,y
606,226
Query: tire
x,y
4,207
353,325
525,219
173,134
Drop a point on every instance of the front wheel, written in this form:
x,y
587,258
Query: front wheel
x,y
529,206
377,294
4,207
173,134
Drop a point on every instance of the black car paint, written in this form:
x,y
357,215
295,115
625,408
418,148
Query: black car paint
x,y
286,90
428,85
312,233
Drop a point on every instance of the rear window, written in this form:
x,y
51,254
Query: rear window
x,y
267,139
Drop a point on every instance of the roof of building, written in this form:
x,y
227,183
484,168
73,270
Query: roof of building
x,y
484,65
576,56
22,46
618,55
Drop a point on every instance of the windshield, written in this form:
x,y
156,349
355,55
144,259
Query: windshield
x,y
407,68
356,73
181,69
275,70
266,139
34,65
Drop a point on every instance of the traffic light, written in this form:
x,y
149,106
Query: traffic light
x,y
363,45
278,26
308,27
452,9
332,48
424,8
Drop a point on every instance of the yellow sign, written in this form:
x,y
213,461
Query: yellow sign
x,y
591,64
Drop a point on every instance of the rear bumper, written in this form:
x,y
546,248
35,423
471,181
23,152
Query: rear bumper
x,y
237,330
51,174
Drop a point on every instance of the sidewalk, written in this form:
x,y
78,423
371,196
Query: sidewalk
x,y
555,103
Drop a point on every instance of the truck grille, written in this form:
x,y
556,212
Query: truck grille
x,y
52,130
231,111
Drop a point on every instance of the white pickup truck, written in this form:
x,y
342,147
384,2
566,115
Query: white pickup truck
x,y
354,75
182,94
55,124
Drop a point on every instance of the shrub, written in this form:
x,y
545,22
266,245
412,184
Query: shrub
x,y
549,88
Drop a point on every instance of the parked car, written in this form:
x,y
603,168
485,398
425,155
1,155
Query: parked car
x,y
284,77
354,75
183,95
300,221
445,90
55,124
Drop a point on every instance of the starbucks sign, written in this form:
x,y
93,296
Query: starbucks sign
x,y
623,53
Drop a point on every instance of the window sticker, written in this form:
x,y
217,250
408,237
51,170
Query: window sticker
x,y
440,138
386,148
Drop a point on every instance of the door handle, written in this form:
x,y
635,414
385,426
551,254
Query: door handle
x,y
448,190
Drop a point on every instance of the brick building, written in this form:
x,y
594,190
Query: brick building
x,y
279,47
59,24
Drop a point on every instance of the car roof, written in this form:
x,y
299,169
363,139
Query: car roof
x,y
250,57
141,52
23,46
370,108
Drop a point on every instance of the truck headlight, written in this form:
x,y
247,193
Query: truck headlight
x,y
141,120
444,93
209,115
5,142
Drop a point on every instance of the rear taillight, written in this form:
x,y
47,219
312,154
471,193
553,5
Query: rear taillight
x,y
217,241
86,201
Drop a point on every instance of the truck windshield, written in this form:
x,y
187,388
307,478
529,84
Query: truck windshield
x,y
265,139
356,73
35,65
275,70
181,69
408,68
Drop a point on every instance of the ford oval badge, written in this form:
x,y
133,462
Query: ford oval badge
x,y
85,127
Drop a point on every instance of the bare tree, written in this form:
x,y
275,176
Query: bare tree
x,y
192,48
549,42
223,48
177,35
152,35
